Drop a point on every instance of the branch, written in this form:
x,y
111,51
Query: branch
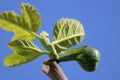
x,y
53,70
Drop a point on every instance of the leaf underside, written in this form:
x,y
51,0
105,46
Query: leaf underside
x,y
67,32
31,17
23,25
24,52
15,59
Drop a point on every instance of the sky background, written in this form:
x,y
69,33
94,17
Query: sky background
x,y
101,21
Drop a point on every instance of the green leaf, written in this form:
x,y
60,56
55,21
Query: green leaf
x,y
31,16
24,51
10,21
15,59
20,25
23,47
67,32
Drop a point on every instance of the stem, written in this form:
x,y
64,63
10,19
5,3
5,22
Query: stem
x,y
65,58
36,35
68,57
55,53
53,70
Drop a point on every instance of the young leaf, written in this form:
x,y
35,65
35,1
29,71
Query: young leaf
x,y
24,47
45,40
24,51
67,32
10,21
15,59
20,25
31,16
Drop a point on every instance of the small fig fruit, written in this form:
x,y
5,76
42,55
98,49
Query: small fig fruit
x,y
88,59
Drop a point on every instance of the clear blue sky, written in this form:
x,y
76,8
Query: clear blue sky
x,y
101,21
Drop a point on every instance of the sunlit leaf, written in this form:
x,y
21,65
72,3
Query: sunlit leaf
x,y
24,51
67,32
10,21
23,47
23,25
31,16
15,59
